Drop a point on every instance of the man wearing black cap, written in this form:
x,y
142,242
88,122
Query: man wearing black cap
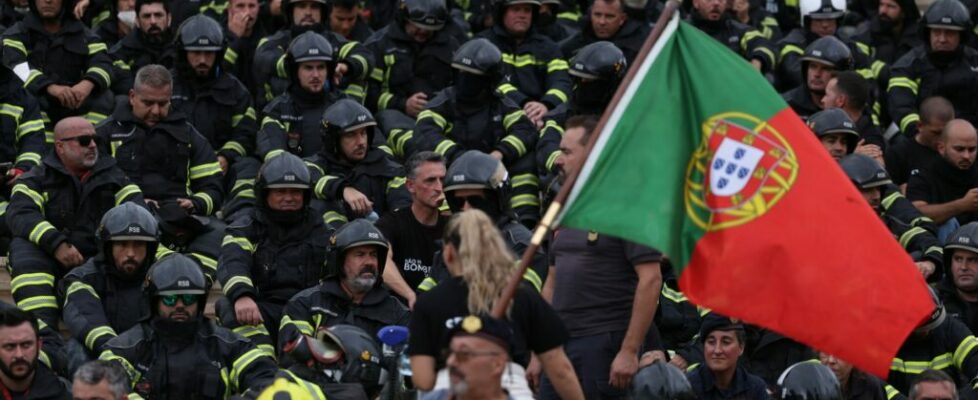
x,y
477,357
720,377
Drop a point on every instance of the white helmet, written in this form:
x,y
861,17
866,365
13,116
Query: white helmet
x,y
822,9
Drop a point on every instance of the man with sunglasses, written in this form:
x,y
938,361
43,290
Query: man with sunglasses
x,y
54,211
177,353
478,355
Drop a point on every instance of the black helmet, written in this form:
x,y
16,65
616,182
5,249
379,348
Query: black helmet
x,y
289,4
936,317
310,46
128,221
201,33
361,356
828,50
661,381
283,170
175,274
864,172
963,238
479,57
359,232
345,115
834,121
947,14
809,380
599,60
477,170
428,14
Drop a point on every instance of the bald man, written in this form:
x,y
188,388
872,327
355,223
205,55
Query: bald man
x,y
947,190
54,212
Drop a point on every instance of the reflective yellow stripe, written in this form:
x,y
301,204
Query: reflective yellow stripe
x,y
899,81
38,302
522,60
241,242
34,74
23,189
444,146
134,375
770,55
12,110
524,200
427,284
29,127
891,392
125,193
96,333
346,49
506,88
76,286
333,217
205,261
907,236
39,230
907,120
237,280
273,153
270,120
916,367
32,279
377,74
524,180
558,94
512,118
964,349
790,48
534,279
280,67
101,73
439,120
16,44
887,201
556,65
251,330
552,159
230,56
96,47
516,143
321,185
384,101
204,170
208,202
675,296
235,147
304,327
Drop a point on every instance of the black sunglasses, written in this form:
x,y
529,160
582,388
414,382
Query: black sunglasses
x,y
455,203
83,140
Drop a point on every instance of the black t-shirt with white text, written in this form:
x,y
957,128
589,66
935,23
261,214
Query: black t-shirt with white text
x,y
414,245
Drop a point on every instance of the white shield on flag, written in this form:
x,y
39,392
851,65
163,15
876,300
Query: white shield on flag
x,y
732,166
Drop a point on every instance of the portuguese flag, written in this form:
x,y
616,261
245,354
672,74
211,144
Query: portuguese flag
x,y
704,161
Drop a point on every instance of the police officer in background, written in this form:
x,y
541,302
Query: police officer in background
x,y
914,231
104,296
352,294
413,57
353,175
942,66
536,79
177,353
273,252
352,62
215,102
822,58
55,210
472,115
160,150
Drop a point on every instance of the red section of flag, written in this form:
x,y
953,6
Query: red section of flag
x,y
818,266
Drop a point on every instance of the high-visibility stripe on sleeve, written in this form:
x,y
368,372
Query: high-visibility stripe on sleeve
x,y
243,362
80,286
126,192
96,333
963,350
304,327
437,118
556,64
205,170
907,120
39,230
32,279
237,280
208,202
241,242
16,44
558,94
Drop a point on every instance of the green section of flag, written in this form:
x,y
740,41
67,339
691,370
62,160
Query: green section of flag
x,y
634,188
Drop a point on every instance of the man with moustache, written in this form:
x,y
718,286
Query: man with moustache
x,y
21,375
947,190
54,212
152,43
273,252
892,32
720,377
477,357
712,18
177,353
104,295
352,294
608,21
215,102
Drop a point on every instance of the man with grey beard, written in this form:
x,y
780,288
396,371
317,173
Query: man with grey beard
x,y
477,358
54,211
352,294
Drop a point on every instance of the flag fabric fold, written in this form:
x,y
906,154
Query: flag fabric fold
x,y
702,159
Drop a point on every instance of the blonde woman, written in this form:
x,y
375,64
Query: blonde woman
x,y
480,263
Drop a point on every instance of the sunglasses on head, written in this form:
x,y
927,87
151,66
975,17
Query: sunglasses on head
x,y
83,140
170,300
455,203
